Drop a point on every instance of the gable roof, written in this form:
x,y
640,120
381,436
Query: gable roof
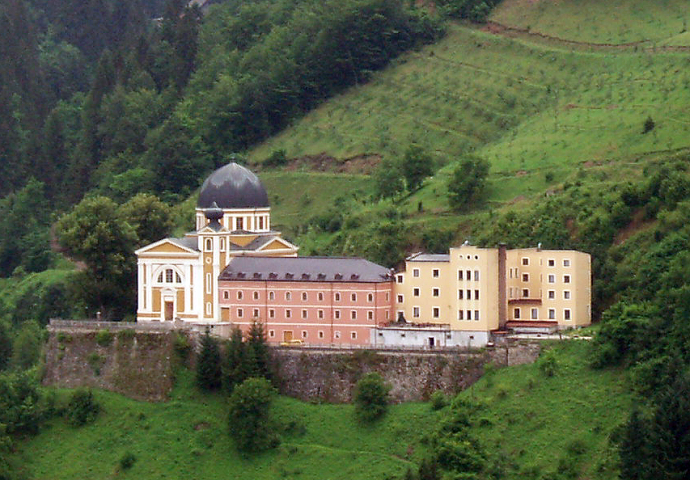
x,y
186,245
305,269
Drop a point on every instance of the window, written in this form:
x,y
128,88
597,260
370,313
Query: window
x,y
304,334
461,315
336,334
169,275
370,315
459,274
552,278
209,245
222,244
271,313
353,297
468,275
566,314
516,313
476,294
566,262
239,295
240,313
304,296
320,313
535,314
288,313
255,295
566,278
525,293
271,295
436,312
304,314
525,261
160,278
552,294
320,297
476,275
226,295
261,223
415,272
460,294
566,294
239,222
476,315
208,308
415,292
436,292
321,334
400,279
552,262
435,273
552,314
337,297
370,297
336,313
415,312
353,335
288,295
353,314
400,299
271,333
255,313
525,277
469,294
469,314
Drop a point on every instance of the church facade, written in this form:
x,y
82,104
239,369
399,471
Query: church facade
x,y
234,269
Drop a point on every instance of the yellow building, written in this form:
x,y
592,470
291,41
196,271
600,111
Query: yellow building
x,y
474,291
178,277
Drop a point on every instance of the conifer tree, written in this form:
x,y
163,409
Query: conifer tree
x,y
257,351
208,371
236,368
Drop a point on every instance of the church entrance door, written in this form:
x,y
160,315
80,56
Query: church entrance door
x,y
169,310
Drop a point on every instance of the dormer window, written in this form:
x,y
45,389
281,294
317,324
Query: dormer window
x,y
338,276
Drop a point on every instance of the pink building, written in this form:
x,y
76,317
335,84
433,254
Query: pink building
x,y
319,300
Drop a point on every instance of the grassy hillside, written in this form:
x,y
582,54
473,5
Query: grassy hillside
x,y
532,107
611,22
528,419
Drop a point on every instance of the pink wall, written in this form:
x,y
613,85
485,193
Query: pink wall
x,y
316,312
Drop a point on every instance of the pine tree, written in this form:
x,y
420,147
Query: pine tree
x,y
633,451
257,351
236,368
208,368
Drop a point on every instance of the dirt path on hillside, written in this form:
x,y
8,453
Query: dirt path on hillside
x,y
517,32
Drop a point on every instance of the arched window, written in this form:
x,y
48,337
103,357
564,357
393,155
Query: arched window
x,y
209,245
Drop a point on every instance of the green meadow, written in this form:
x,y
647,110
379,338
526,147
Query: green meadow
x,y
593,21
532,422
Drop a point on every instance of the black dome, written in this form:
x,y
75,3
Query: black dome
x,y
232,186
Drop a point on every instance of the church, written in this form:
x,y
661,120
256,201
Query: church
x,y
178,277
234,269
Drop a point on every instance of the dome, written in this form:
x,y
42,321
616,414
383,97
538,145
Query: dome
x,y
232,186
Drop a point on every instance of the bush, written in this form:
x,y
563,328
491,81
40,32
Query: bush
x,y
249,416
548,365
371,397
104,338
277,158
127,461
438,400
82,408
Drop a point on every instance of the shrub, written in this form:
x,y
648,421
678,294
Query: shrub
x,y
548,365
181,346
370,397
82,408
104,338
127,461
648,125
277,158
438,400
96,361
249,416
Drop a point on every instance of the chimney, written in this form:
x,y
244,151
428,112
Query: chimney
x,y
502,297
